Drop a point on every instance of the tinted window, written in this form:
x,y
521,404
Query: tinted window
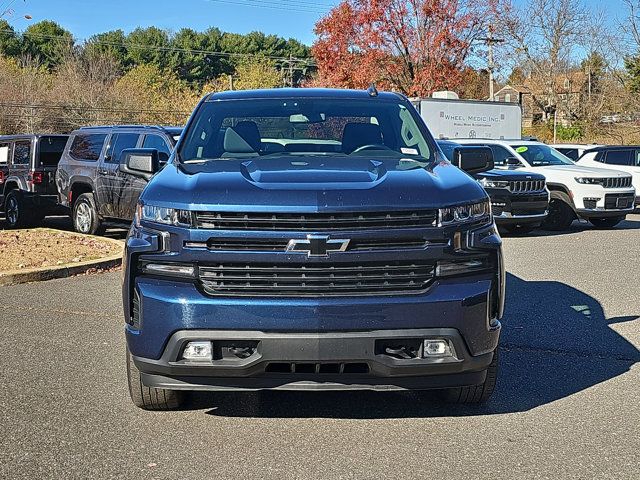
x,y
118,143
500,154
572,153
157,142
4,153
21,153
87,146
50,150
618,157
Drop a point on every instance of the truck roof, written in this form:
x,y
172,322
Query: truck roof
x,y
301,93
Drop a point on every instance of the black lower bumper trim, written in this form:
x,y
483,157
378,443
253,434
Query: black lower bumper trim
x,y
312,355
326,383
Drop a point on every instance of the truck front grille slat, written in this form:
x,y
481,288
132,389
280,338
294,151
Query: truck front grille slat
x,y
614,182
302,280
280,244
314,221
521,186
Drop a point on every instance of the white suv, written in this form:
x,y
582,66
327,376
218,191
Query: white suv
x,y
623,158
574,150
602,196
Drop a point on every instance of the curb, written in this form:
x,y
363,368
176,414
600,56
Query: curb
x,y
14,277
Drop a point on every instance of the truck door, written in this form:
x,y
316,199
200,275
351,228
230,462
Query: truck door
x,y
108,185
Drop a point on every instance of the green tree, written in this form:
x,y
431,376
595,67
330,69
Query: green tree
x,y
10,44
191,59
632,64
148,46
48,43
110,44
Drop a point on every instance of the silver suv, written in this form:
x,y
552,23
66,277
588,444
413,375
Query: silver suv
x,y
90,181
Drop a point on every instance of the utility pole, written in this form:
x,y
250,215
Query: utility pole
x,y
490,41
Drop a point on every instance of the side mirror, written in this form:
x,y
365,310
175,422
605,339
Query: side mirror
x,y
513,162
473,159
140,162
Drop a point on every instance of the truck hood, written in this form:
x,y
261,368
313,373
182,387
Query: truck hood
x,y
310,184
578,170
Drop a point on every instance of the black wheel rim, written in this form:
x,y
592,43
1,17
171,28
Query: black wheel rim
x,y
12,210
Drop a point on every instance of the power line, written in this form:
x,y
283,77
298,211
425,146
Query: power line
x,y
36,106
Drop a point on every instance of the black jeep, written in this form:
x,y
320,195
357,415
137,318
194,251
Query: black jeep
x,y
27,176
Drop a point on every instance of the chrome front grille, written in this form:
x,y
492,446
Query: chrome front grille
x,y
315,221
299,280
520,186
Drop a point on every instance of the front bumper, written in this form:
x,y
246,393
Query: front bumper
x,y
315,330
596,201
518,208
320,361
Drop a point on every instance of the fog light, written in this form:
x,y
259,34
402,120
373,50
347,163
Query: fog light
x,y
436,348
197,351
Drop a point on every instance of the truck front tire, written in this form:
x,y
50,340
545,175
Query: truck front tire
x,y
475,394
150,398
85,215
561,215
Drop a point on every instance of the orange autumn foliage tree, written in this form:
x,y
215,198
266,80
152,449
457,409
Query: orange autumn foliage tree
x,y
412,46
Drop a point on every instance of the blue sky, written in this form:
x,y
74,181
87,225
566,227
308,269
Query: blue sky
x,y
287,18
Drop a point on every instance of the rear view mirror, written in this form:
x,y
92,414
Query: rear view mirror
x,y
308,118
140,162
473,159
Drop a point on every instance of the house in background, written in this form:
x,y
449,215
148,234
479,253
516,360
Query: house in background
x,y
571,90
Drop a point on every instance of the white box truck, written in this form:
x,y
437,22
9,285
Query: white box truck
x,y
453,119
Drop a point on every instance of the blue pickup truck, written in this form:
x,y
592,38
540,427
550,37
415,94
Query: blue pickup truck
x,y
311,239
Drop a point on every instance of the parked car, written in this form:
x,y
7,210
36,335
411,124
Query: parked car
x,y
601,196
574,151
519,200
623,157
375,265
89,179
27,177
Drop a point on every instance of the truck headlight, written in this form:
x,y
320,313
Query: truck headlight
x,y
163,215
588,180
460,214
487,183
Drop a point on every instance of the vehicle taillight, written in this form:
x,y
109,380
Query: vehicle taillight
x,y
36,177
1,177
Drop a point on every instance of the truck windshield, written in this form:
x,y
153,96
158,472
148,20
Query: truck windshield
x,y
541,155
240,129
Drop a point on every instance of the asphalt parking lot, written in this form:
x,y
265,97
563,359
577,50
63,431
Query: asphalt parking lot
x,y
566,404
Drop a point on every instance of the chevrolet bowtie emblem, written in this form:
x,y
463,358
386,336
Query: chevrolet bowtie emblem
x,y
317,245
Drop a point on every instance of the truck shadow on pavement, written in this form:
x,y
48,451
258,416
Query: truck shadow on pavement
x,y
556,342
575,228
